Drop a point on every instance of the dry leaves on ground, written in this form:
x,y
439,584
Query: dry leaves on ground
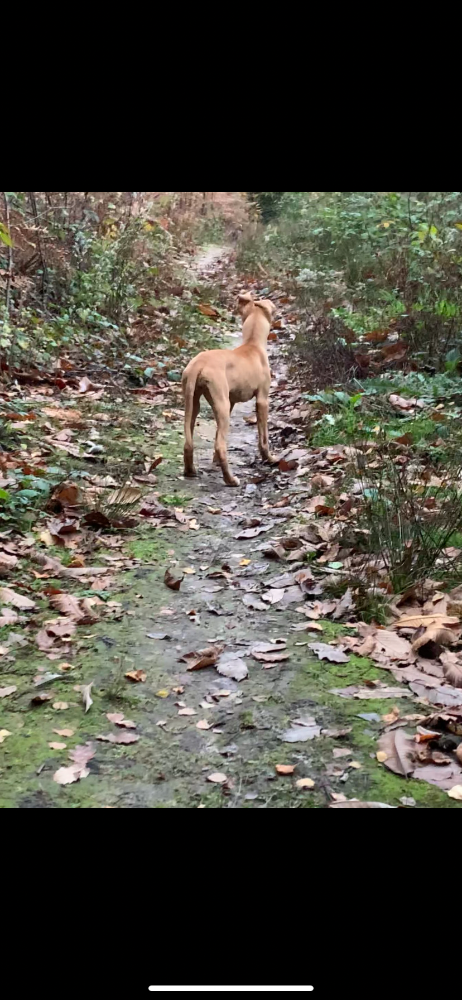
x,y
80,756
325,652
204,658
9,596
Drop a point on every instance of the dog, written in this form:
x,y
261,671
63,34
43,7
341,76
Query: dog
x,y
226,377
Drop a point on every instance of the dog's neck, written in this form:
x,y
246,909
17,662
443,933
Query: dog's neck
x,y
256,333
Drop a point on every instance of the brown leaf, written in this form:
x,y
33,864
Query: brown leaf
x,y
60,706
253,601
187,711
399,750
174,582
82,754
232,666
118,719
304,783
416,621
7,562
8,617
136,675
204,658
4,692
452,668
431,637
325,652
400,403
284,769
207,310
68,495
355,804
273,596
456,793
85,691
67,604
57,746
64,732
392,645
67,775
85,384
119,738
362,694
9,596
217,778
269,647
288,465
271,657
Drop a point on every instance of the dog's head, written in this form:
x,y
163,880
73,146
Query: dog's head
x,y
268,308
245,304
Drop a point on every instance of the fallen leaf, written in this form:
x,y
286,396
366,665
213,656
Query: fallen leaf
x,y
68,605
305,729
326,652
381,756
252,601
217,778
207,310
233,667
57,746
269,647
355,804
64,732
305,783
452,668
85,384
456,793
86,695
4,692
9,596
375,692
392,645
284,769
60,706
399,752
67,775
203,724
271,657
118,719
187,711
204,658
252,532
3,734
136,675
119,738
174,582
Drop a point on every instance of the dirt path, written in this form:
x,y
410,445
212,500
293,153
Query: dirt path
x,y
193,724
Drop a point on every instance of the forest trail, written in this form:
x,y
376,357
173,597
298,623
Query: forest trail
x,y
261,725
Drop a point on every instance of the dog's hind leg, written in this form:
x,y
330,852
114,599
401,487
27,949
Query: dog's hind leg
x,y
216,457
192,407
220,404
262,425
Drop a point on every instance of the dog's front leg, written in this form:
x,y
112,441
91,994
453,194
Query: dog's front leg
x,y
262,425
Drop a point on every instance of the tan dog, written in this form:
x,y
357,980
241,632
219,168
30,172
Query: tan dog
x,y
227,377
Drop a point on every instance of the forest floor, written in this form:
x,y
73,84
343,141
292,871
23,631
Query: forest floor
x,y
261,725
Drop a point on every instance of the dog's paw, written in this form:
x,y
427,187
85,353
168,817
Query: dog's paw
x,y
190,473
233,481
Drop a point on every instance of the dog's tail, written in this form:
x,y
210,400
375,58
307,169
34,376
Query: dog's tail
x,y
189,389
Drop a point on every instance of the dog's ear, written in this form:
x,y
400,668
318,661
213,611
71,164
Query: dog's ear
x,y
245,298
267,308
